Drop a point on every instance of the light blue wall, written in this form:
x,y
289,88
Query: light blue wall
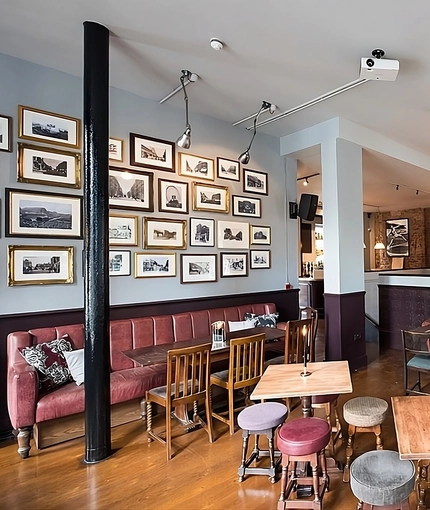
x,y
31,85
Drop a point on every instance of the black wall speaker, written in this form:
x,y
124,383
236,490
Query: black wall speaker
x,y
308,206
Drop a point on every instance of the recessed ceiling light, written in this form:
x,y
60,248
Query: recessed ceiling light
x,y
216,44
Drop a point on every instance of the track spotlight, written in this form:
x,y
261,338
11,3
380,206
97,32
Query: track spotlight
x,y
306,178
184,141
305,182
416,193
245,156
397,187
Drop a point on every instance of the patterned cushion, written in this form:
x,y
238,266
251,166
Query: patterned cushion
x,y
269,320
48,359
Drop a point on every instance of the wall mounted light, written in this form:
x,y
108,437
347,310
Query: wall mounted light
x,y
184,141
245,156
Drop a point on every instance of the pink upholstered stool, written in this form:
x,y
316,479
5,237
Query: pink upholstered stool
x,y
303,440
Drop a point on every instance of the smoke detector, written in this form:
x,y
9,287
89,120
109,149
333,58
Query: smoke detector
x,y
216,44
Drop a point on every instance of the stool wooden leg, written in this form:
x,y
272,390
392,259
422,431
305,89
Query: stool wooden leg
x,y
315,479
378,431
284,477
323,464
338,425
272,456
330,446
423,466
241,470
359,505
349,447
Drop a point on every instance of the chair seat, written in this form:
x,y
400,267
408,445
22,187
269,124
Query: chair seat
x,y
279,360
380,478
222,375
303,436
264,416
365,411
419,362
323,399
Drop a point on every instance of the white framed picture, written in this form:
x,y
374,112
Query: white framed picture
x,y
116,146
198,268
260,234
202,232
119,263
234,264
233,234
199,167
123,230
246,206
172,196
154,265
228,169
5,133
259,259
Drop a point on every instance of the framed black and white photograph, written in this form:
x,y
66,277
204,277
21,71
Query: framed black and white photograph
x,y
397,234
233,234
196,166
246,206
40,265
259,259
131,190
198,268
5,133
202,232
260,234
228,169
42,214
164,234
154,265
210,197
49,166
172,196
47,127
150,152
123,230
255,182
119,263
116,146
234,264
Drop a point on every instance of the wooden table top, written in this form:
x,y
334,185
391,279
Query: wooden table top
x,y
412,423
281,381
157,354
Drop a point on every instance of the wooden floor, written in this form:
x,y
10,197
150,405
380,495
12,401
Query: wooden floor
x,y
200,476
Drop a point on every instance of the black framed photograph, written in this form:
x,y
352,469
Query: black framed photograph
x,y
259,259
39,265
246,206
150,152
255,182
42,214
199,167
260,234
116,146
397,234
123,230
210,197
129,189
164,233
198,268
5,133
172,196
48,127
202,232
233,234
154,265
119,263
234,264
48,166
228,169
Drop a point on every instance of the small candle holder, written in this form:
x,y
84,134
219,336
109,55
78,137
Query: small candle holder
x,y
305,372
218,334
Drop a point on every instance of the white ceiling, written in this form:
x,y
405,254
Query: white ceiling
x,y
284,52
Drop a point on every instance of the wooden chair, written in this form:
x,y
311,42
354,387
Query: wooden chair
x,y
246,362
188,372
311,313
416,358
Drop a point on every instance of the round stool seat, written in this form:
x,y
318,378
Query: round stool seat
x,y
365,411
380,478
323,399
266,415
303,436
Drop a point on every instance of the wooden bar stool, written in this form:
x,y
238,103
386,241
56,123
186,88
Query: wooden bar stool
x,y
303,440
363,414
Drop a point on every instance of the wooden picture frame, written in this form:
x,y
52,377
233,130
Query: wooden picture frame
x,y
260,234
228,169
129,189
172,196
397,237
246,206
116,149
202,232
255,182
233,235
123,230
164,234
233,264
198,268
194,166
154,265
260,259
119,262
48,127
210,197
6,133
149,152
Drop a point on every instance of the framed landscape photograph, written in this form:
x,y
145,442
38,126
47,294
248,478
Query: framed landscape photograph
x,y
196,166
129,189
228,169
234,264
172,196
42,214
260,234
119,263
123,230
232,234
164,234
116,149
49,166
47,127
38,265
5,133
154,265
202,232
260,259
255,182
152,153
245,206
397,234
210,197
198,268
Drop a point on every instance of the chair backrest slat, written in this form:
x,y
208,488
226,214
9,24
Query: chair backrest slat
x,y
246,360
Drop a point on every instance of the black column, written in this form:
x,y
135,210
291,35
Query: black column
x,y
96,200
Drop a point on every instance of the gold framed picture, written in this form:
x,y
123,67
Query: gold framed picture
x,y
191,165
161,233
210,197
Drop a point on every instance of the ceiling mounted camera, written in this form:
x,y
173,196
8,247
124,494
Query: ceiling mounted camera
x,y
379,68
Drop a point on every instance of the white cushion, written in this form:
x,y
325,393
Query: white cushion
x,y
75,362
238,325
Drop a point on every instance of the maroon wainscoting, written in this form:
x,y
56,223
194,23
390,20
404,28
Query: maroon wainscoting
x,y
286,301
345,328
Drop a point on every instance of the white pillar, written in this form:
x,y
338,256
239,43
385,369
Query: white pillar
x,y
292,229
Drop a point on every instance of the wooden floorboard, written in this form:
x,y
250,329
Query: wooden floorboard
x,y
200,476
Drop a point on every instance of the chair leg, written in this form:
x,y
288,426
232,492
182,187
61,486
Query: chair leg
x,y
378,432
349,447
272,455
209,425
168,434
149,420
231,411
323,464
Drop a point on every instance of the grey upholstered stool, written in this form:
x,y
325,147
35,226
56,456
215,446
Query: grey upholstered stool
x,y
363,414
261,419
380,480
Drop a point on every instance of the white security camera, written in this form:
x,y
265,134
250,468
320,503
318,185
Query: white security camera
x,y
382,69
